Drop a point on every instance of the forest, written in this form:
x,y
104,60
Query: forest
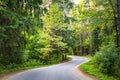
x,y
44,32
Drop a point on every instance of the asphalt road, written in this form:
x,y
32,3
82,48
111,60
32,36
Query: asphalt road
x,y
63,71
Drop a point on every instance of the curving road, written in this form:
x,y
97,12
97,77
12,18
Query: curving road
x,y
64,71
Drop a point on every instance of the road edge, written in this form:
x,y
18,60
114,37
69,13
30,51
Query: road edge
x,y
81,71
7,75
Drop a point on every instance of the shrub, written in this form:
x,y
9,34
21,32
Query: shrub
x,y
107,59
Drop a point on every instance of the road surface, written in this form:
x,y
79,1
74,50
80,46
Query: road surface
x,y
63,71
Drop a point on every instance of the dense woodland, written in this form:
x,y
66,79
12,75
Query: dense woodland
x,y
46,31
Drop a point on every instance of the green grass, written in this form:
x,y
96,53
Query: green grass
x,y
19,67
91,69
25,66
88,56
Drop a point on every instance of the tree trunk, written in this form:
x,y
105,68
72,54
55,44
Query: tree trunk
x,y
9,4
91,53
118,10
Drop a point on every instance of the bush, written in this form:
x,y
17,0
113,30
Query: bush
x,y
108,60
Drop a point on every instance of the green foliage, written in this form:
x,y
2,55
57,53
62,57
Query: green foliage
x,y
94,22
90,68
39,46
108,60
86,42
22,36
23,66
55,27
95,39
11,39
32,34
95,30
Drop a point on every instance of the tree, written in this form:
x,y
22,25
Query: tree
x,y
54,25
12,40
118,10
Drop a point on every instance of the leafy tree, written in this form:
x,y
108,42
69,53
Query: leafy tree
x,y
54,25
11,41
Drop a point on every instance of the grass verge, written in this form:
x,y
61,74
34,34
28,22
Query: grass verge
x,y
91,69
27,65
19,67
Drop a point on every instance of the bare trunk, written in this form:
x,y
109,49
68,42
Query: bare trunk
x,y
118,10
90,42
